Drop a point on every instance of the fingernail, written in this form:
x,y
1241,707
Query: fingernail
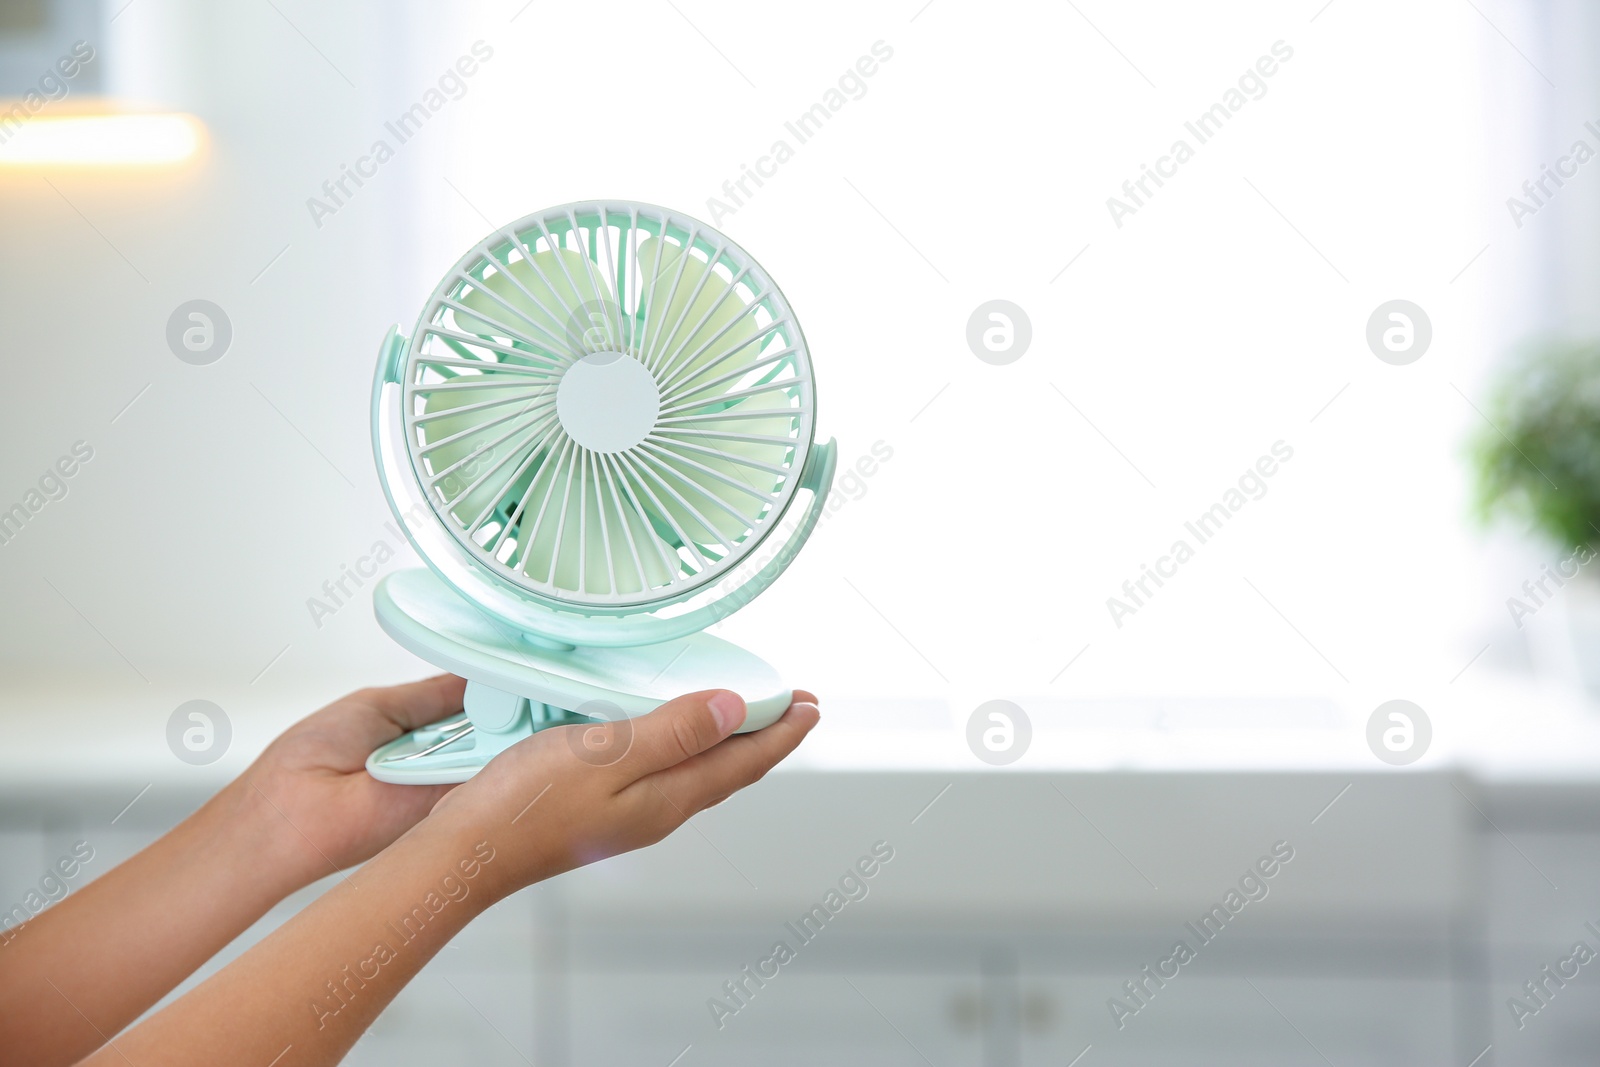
x,y
728,709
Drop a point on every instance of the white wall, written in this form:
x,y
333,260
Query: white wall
x,y
1220,318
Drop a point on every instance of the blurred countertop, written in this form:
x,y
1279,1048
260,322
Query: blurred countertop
x,y
1501,728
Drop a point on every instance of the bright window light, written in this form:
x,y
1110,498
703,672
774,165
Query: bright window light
x,y
99,140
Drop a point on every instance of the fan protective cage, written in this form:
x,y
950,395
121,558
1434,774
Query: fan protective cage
x,y
608,406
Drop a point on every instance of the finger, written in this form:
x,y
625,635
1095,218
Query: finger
x,y
417,703
681,729
739,761
803,696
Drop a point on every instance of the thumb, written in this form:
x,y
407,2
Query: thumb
x,y
681,729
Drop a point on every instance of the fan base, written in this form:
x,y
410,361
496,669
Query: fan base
x,y
516,688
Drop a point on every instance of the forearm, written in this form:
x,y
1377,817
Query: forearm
x,y
310,989
93,963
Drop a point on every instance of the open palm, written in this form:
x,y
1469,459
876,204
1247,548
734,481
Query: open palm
x,y
333,813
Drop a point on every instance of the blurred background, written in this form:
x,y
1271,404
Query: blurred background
x,y
1372,262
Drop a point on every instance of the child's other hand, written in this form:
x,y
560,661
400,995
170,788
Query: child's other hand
x,y
310,787
571,795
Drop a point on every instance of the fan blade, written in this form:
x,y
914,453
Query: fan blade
x,y
557,303
617,533
690,451
548,543
673,333
490,444
704,323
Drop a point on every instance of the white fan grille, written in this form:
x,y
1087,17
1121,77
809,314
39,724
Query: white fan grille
x,y
664,460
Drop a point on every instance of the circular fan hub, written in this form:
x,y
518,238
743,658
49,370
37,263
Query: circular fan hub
x,y
608,401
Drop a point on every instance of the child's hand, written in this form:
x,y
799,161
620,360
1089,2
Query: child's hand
x,y
113,948
571,795
311,783
564,797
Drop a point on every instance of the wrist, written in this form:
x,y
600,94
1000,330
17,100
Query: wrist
x,y
524,850
445,865
244,833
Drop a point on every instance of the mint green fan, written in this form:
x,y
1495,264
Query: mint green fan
x,y
600,438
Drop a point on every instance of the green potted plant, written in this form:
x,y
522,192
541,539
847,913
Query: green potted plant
x,y
1539,461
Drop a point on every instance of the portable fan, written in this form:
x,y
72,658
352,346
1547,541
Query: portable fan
x,y
596,438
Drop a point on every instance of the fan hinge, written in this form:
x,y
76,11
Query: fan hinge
x,y
391,355
819,468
